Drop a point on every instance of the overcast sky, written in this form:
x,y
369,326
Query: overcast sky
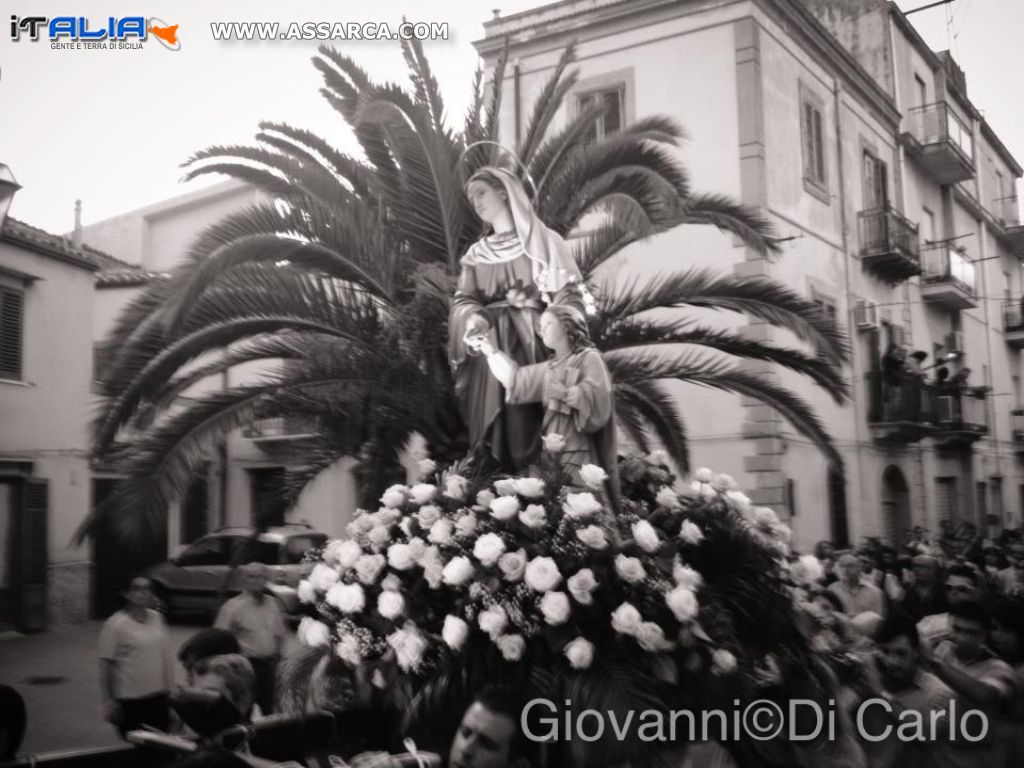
x,y
113,127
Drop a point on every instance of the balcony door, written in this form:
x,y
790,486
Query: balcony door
x,y
895,505
876,182
269,502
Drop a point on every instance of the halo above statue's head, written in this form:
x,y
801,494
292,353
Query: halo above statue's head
x,y
490,154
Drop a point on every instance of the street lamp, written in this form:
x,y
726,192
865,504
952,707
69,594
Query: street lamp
x,y
8,186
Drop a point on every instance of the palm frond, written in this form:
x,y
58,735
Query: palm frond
x,y
732,218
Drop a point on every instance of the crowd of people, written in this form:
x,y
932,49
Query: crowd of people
x,y
932,627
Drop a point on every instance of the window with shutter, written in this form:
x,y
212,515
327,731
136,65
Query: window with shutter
x,y
11,320
613,118
812,137
945,498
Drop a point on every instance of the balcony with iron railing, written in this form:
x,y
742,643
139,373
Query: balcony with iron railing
x,y
281,432
889,246
961,415
1017,428
1009,228
942,142
1013,322
899,411
949,278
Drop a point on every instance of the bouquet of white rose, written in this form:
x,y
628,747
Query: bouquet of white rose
x,y
527,577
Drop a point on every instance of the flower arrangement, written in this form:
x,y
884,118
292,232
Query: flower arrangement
x,y
534,571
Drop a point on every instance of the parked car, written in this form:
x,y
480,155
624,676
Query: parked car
x,y
205,573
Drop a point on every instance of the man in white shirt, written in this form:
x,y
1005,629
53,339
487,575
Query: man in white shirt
x,y
257,621
856,595
135,664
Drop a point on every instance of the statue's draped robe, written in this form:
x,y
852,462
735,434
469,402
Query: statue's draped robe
x,y
589,427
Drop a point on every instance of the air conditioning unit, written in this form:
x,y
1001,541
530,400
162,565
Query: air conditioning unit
x,y
955,342
865,315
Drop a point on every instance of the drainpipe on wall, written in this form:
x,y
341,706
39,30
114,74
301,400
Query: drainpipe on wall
x,y
849,311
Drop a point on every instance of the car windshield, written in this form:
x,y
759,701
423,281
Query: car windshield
x,y
208,551
245,549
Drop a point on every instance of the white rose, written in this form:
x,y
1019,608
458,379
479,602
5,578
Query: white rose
x,y
555,607
808,570
534,516
722,662
347,598
455,487
493,620
305,592
422,492
645,536
400,557
626,620
378,537
582,585
739,500
426,467
368,567
553,442
362,524
312,632
581,505
394,496
530,487
724,483
685,576
348,553
458,571
434,574
683,603
454,632
484,499
322,577
417,548
489,548
542,575
441,532
348,650
667,498
428,515
629,569
409,646
506,487
390,604
511,647
466,524
330,555
651,637
593,476
659,458
513,565
392,582
386,516
580,653
504,507
703,475
593,537
691,533
765,517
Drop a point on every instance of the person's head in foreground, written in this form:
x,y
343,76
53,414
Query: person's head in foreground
x,y
897,644
13,719
969,624
229,675
850,569
490,734
203,645
961,585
